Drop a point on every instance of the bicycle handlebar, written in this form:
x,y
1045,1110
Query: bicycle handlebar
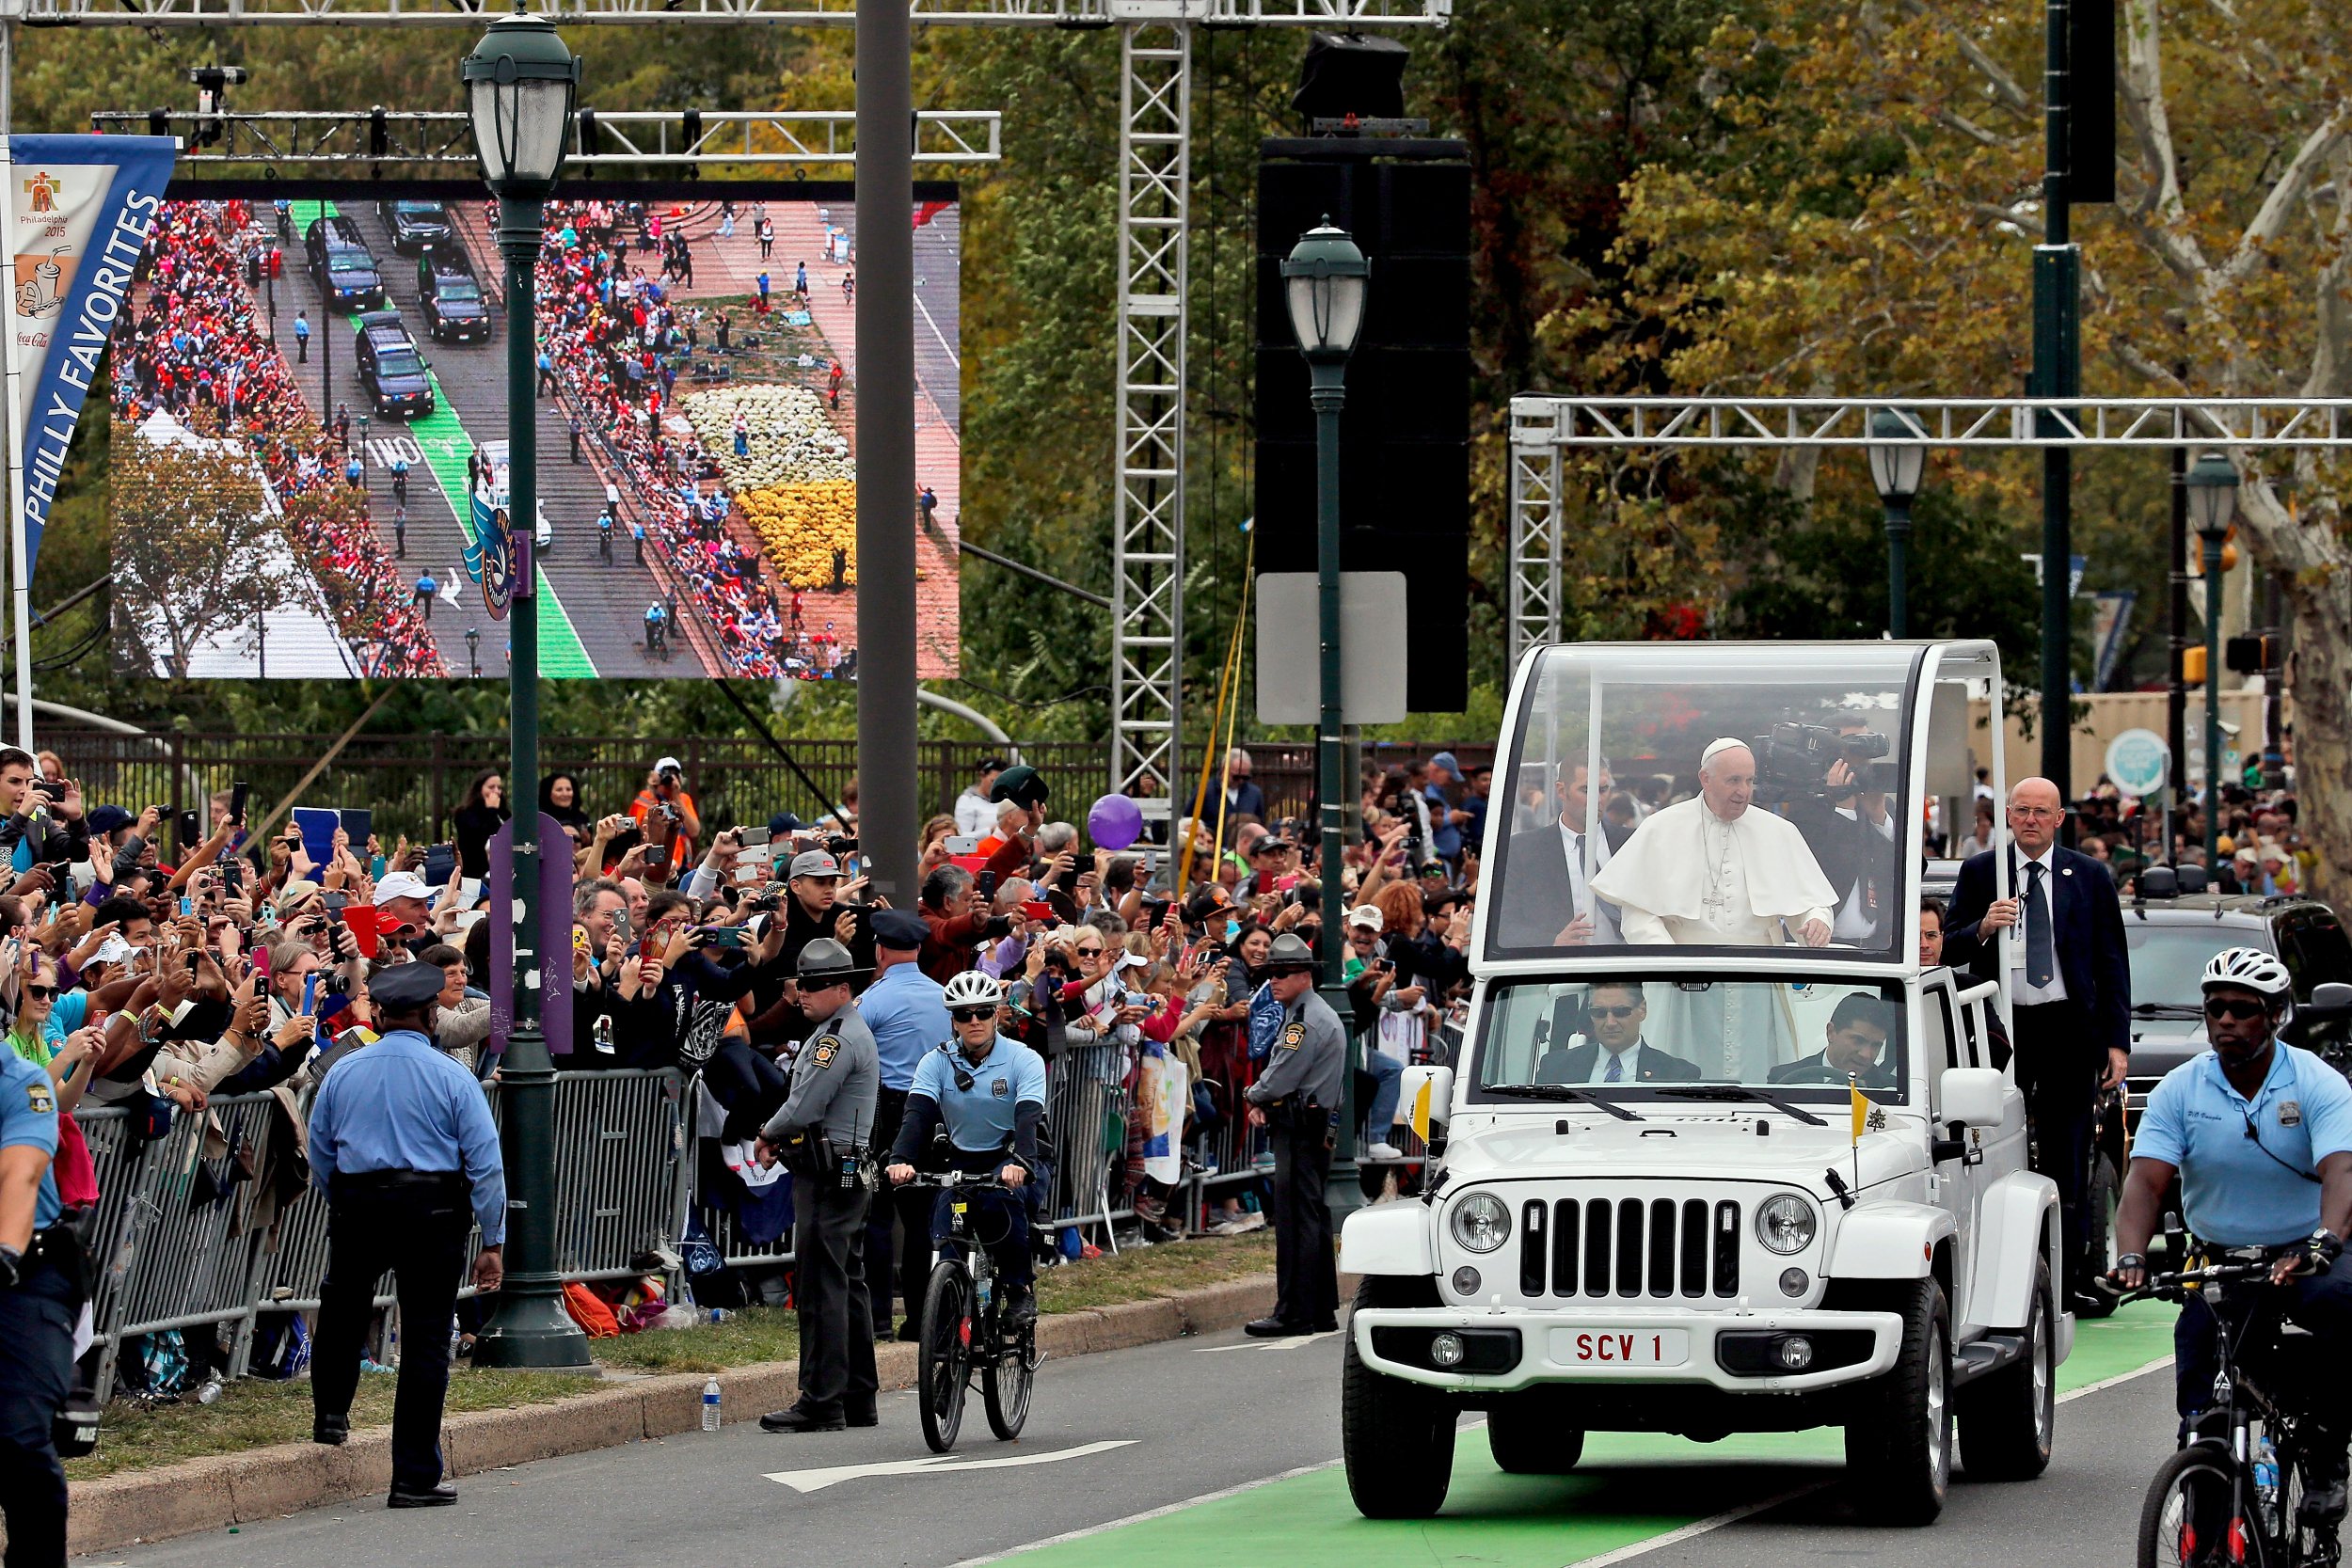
x,y
2173,1287
951,1181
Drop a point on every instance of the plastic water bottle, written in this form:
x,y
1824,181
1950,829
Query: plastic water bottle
x,y
710,1405
720,1314
209,1392
2267,1477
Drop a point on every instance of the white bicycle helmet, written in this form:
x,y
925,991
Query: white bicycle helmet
x,y
974,988
2249,969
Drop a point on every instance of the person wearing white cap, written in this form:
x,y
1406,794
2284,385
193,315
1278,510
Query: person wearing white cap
x,y
405,898
665,814
1713,872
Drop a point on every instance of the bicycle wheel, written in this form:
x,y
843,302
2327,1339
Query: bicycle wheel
x,y
2186,1522
946,1358
1005,1383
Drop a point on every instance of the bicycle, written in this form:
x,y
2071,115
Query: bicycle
x,y
2233,1495
604,539
960,1319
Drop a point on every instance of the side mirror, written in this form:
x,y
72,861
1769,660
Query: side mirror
x,y
2331,1000
1437,1083
1973,1096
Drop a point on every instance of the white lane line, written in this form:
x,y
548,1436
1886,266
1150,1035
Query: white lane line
x,y
1732,1516
1293,1344
1160,1513
937,1463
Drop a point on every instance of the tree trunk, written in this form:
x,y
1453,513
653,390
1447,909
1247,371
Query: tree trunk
x,y
2321,685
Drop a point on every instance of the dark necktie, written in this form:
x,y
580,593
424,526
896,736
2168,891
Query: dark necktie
x,y
2040,955
1616,1068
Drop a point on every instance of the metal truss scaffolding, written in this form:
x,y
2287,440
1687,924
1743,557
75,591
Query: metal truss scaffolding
x,y
1148,517
1545,429
648,140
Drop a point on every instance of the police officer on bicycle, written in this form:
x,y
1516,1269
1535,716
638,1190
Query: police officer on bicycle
x,y
2260,1134
990,1093
821,1134
1295,1097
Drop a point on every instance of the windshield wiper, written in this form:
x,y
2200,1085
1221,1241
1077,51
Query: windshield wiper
x,y
2167,1010
1740,1091
1564,1092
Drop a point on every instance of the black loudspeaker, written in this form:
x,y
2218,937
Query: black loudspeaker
x,y
2091,123
1405,433
1345,75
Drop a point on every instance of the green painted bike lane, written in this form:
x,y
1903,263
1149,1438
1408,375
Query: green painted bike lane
x,y
1629,1487
441,436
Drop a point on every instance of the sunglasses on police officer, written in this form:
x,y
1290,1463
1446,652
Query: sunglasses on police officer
x,y
2233,1006
969,1015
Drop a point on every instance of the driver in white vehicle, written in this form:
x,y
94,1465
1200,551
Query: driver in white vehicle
x,y
1615,1052
1856,1046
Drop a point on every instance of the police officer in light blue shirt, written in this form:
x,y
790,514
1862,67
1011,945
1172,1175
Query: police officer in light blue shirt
x,y
990,1093
402,1145
908,1014
41,1283
2260,1134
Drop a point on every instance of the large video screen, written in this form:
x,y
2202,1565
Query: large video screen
x,y
309,463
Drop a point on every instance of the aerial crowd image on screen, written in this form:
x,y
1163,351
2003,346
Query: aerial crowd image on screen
x,y
309,463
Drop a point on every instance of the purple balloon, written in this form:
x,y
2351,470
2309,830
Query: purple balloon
x,y
1114,823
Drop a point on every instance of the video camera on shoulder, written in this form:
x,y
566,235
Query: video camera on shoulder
x,y
1793,760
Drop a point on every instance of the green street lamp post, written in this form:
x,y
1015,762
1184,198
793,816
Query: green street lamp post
x,y
1897,466
1323,280
519,83
2212,483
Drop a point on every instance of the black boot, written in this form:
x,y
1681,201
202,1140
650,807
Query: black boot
x,y
801,1418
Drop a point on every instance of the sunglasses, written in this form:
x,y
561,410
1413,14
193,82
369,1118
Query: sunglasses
x,y
1610,1012
2222,1007
1088,952
971,1015
47,993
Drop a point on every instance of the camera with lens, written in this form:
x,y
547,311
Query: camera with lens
x,y
1793,761
837,844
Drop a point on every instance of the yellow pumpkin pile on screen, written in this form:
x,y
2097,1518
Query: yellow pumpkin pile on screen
x,y
800,526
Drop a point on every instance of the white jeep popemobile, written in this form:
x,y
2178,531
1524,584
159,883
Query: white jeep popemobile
x,y
1707,1186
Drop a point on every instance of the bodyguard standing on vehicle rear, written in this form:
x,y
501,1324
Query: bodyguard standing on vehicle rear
x,y
1295,1098
2260,1134
822,1132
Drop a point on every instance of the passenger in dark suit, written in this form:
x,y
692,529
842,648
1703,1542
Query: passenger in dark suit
x,y
1540,895
1616,1011
2069,984
1856,1046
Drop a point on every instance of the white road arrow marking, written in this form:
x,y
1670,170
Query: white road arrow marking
x,y
1268,1344
449,586
816,1481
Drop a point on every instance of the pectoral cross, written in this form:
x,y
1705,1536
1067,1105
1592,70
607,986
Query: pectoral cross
x,y
1716,900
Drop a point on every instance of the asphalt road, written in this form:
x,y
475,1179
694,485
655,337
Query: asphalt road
x,y
1226,1447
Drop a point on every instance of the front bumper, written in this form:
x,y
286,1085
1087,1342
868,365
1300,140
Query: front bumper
x,y
1546,1353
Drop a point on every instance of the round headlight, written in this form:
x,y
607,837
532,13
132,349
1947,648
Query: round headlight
x,y
1467,1280
1796,1352
1446,1350
1481,1223
1783,1223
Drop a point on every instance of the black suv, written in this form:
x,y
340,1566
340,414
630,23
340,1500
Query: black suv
x,y
396,374
340,264
416,224
452,296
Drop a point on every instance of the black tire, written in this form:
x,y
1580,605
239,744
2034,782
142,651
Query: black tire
x,y
1398,1436
2009,1418
2197,1477
945,1363
1898,1440
1005,1385
2099,1206
1529,1436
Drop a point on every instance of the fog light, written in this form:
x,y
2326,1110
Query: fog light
x,y
1796,1352
1466,1281
1446,1350
1792,1282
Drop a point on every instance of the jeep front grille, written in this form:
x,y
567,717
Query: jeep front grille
x,y
1600,1247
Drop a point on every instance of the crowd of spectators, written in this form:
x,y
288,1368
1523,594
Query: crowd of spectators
x,y
199,349
618,344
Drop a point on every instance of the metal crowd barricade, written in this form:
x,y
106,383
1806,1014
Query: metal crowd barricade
x,y
1087,1111
175,1242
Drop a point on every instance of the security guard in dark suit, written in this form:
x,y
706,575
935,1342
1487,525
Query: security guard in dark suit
x,y
402,1145
1296,1096
44,1282
822,1133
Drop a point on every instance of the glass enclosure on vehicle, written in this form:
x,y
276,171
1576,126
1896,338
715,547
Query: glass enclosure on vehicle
x,y
1725,798
1689,1038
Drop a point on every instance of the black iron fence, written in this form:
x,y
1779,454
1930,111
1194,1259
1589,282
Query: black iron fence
x,y
414,781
